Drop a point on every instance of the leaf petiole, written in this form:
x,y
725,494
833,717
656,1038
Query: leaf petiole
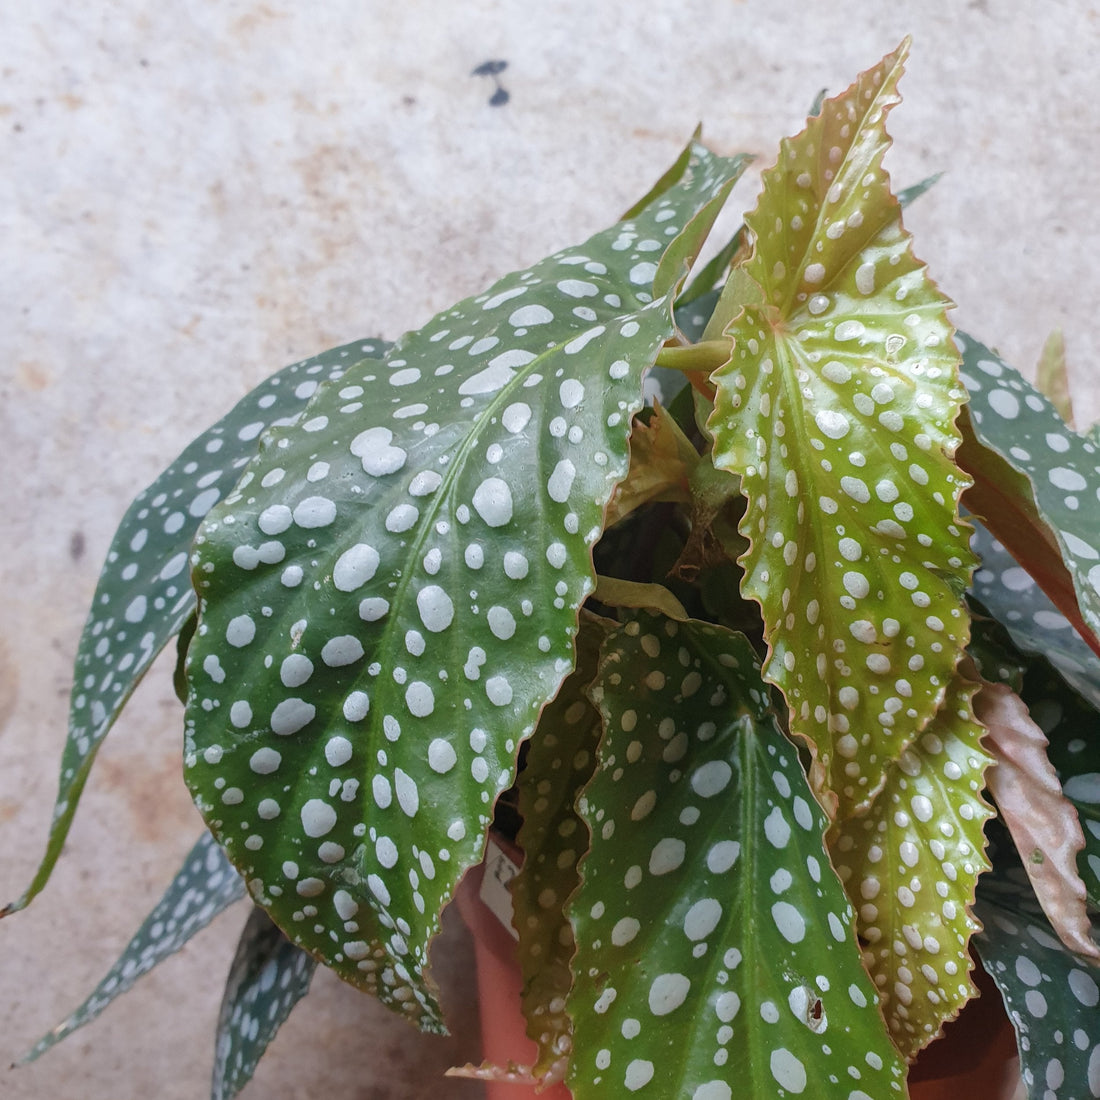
x,y
704,357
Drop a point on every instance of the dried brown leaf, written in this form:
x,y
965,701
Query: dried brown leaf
x,y
661,463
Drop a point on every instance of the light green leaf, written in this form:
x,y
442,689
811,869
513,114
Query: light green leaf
x,y
712,275
269,976
1035,485
390,596
715,950
837,409
143,597
910,867
204,886
662,461
1052,997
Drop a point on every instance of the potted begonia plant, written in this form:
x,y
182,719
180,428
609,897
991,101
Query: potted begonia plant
x,y
763,602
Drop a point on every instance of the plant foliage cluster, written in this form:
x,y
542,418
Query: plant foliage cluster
x,y
801,656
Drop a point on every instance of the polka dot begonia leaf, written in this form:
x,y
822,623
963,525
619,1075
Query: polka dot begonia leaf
x,y
837,408
143,597
1052,996
910,867
1011,595
553,837
1036,484
1071,726
390,595
205,885
269,976
716,955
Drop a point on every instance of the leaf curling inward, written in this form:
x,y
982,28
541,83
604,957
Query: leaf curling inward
x,y
560,761
662,460
1042,821
837,408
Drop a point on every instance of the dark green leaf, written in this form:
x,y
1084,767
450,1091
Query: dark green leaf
x,y
143,597
1053,999
996,659
269,976
715,951
554,838
390,596
204,886
1070,725
910,194
1036,626
1036,484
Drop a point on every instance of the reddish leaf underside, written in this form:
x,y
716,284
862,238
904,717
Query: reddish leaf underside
x,y
1069,724
1042,821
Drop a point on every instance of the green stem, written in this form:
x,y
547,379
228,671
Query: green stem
x,y
704,357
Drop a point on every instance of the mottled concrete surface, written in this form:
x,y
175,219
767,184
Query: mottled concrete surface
x,y
193,195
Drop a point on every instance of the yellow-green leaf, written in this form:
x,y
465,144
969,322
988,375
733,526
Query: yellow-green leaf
x,y
837,408
911,866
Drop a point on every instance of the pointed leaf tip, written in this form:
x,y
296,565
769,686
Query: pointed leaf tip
x,y
143,597
204,886
857,554
715,950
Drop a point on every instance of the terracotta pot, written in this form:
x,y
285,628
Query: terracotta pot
x,y
975,1060
503,1029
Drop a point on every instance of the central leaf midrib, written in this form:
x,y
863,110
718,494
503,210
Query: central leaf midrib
x,y
446,496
